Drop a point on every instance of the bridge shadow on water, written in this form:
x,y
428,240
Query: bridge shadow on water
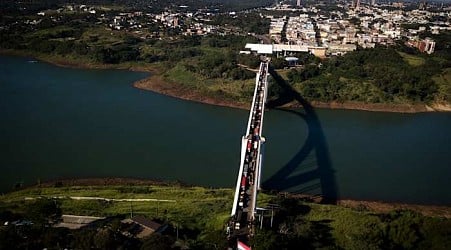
x,y
294,176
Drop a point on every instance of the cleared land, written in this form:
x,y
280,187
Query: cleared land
x,y
412,60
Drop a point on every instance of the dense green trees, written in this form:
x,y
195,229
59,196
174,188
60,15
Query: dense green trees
x,y
158,242
210,56
332,228
115,55
369,75
219,65
44,211
251,61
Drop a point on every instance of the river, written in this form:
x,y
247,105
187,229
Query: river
x,y
71,123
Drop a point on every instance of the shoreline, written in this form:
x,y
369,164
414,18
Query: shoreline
x,y
361,205
386,207
157,84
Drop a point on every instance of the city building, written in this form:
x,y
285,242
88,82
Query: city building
x,y
426,45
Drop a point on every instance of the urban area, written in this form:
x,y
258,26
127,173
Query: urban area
x,y
318,28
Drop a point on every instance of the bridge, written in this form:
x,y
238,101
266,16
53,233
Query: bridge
x,y
241,224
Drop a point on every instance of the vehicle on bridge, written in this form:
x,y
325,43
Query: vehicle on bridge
x,y
241,224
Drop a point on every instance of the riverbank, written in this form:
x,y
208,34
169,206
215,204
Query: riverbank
x,y
201,215
81,63
141,184
385,207
385,107
156,82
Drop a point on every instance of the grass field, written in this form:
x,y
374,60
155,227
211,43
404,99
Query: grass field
x,y
100,36
207,211
412,60
194,207
235,90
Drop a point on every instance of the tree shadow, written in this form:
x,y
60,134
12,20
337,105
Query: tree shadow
x,y
320,178
320,235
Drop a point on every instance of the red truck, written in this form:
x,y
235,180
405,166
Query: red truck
x,y
243,181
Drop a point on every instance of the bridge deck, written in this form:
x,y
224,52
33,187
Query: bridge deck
x,y
248,181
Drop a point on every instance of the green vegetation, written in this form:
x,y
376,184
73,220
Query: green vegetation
x,y
444,87
412,60
249,22
326,226
380,75
223,89
189,201
196,211
200,214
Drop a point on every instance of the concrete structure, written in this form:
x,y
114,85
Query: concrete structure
x,y
318,51
276,27
260,48
429,45
426,45
241,224
300,30
76,221
145,226
340,49
284,49
291,60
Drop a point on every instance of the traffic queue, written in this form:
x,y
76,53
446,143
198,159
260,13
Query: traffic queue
x,y
243,215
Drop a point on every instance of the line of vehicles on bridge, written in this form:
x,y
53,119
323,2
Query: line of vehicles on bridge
x,y
244,210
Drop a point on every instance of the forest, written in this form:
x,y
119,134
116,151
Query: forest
x,y
379,75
